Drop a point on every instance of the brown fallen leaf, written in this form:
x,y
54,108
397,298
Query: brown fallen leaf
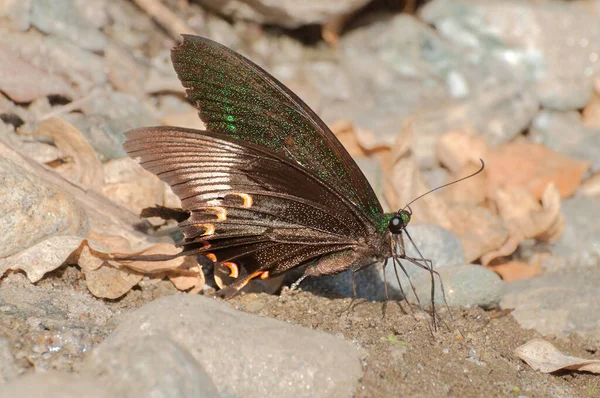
x,y
533,167
543,356
591,186
516,270
457,149
591,112
471,190
525,218
109,275
479,229
41,258
85,167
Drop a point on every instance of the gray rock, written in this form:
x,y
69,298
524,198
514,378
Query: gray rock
x,y
8,368
286,13
579,244
32,210
54,385
16,14
247,355
565,132
62,18
54,328
154,366
464,286
104,134
553,44
401,68
557,303
83,69
107,116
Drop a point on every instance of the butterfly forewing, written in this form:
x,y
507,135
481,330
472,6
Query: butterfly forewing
x,y
236,97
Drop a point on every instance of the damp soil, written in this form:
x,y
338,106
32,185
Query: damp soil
x,y
471,356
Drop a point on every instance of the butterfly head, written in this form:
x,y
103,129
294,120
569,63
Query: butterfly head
x,y
399,221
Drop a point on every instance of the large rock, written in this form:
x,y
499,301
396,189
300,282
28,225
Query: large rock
x,y
286,13
32,210
245,355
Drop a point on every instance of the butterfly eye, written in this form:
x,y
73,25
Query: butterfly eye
x,y
396,224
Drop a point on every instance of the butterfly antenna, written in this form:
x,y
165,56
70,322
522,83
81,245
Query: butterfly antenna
x,y
448,184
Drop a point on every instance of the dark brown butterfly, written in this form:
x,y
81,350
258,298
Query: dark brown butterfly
x,y
267,187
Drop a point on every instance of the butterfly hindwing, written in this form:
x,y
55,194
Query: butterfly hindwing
x,y
246,204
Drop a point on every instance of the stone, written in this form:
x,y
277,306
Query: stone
x,y
559,303
153,366
8,368
287,13
554,45
565,132
238,350
63,18
579,245
54,384
33,210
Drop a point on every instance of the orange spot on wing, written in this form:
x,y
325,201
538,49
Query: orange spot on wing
x,y
252,276
264,275
219,211
233,268
245,197
212,257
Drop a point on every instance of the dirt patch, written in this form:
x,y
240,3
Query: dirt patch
x,y
402,358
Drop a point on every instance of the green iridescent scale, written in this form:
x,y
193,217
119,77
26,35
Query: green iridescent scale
x,y
238,98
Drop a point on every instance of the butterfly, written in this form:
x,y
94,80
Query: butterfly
x,y
267,187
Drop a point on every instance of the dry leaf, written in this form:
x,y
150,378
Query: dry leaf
x,y
591,112
457,149
85,167
591,186
41,258
109,282
471,190
480,230
526,218
516,270
189,276
533,167
543,356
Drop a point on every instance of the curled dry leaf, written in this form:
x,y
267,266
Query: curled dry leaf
x,y
41,258
591,112
516,270
543,356
525,218
85,166
471,190
456,150
533,167
108,275
591,186
480,230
